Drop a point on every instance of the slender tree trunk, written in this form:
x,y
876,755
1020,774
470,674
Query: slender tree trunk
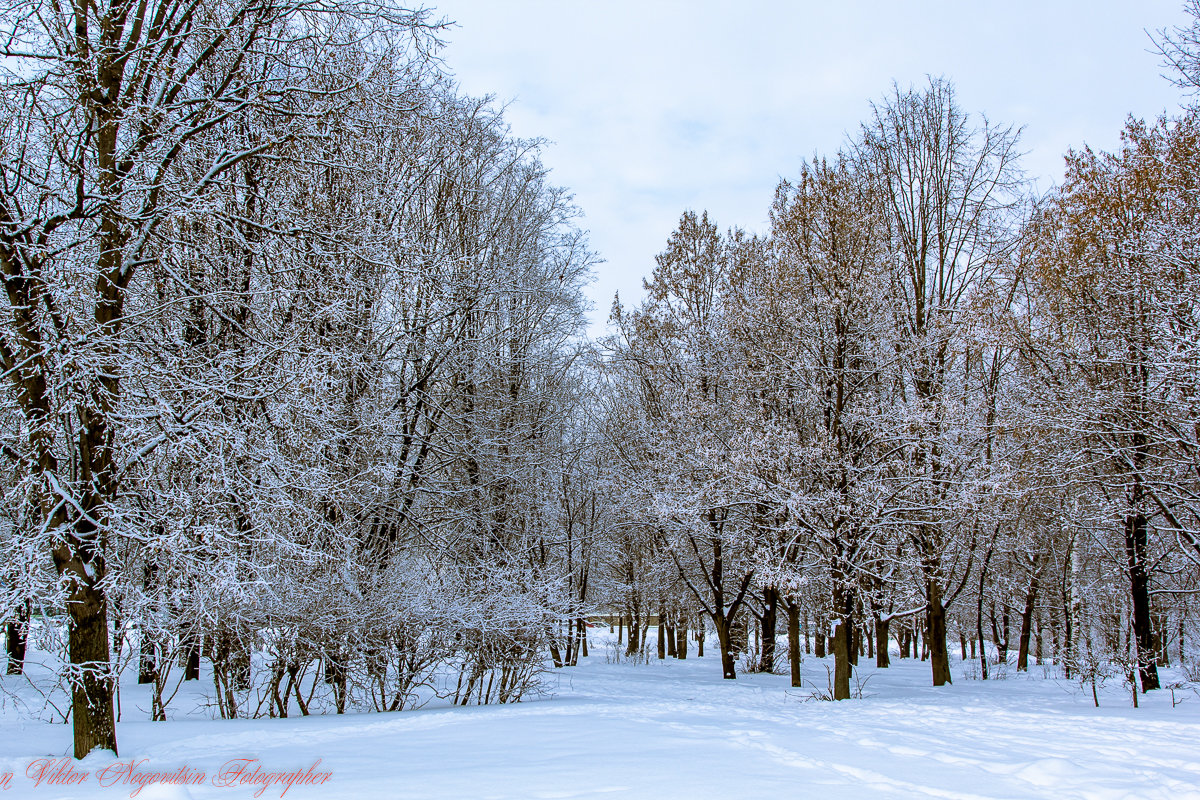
x,y
681,639
147,649
1000,637
1135,547
939,658
724,642
770,613
841,661
853,640
793,611
634,645
882,656
983,657
662,635
1027,619
17,638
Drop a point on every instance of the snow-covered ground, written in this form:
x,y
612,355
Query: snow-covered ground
x,y
674,729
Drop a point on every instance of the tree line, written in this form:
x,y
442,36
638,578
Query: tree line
x,y
289,351
926,398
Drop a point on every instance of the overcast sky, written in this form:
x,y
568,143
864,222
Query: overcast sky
x,y
655,107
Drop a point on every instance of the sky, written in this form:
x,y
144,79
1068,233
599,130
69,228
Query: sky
x,y
652,108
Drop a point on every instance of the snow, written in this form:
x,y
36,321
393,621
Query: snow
x,y
676,729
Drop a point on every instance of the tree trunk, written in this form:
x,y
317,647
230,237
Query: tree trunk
x,y
935,637
739,634
770,613
191,656
681,640
841,661
882,657
662,636
1027,619
820,646
724,642
92,683
147,657
983,659
633,645
843,638
700,642
1135,548
1000,637
147,649
17,638
793,611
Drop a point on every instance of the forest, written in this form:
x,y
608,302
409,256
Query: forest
x,y
297,387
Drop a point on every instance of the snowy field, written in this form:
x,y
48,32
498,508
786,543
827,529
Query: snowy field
x,y
674,729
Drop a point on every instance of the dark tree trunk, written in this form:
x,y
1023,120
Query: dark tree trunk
x,y
17,638
700,642
1000,634
147,649
1139,582
728,663
147,658
882,657
662,636
634,629
191,655
681,640
905,641
336,675
852,638
671,641
843,638
1027,619
841,661
770,614
820,644
739,634
939,657
1067,656
92,686
983,659
793,611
